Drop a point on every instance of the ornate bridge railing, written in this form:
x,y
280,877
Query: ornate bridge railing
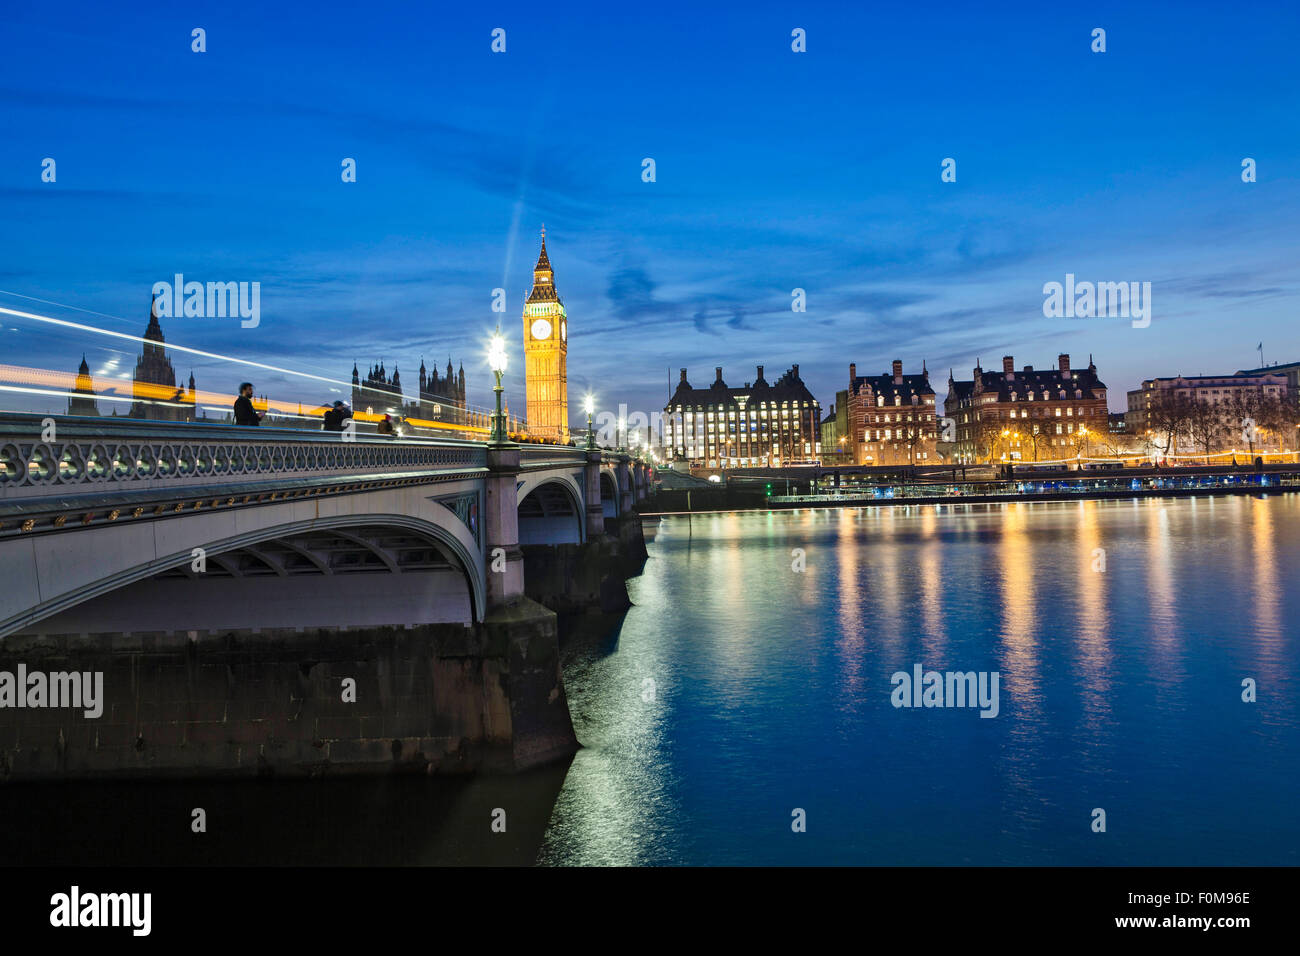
x,y
95,455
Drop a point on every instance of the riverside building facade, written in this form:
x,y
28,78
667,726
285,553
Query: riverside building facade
x,y
1030,415
761,424
891,417
1162,412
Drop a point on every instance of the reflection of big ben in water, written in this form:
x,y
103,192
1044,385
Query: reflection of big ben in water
x,y
546,348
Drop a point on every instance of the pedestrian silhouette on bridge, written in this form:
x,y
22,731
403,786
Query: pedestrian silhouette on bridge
x,y
245,414
334,417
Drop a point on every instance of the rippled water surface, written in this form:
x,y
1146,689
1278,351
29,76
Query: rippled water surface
x,y
1119,689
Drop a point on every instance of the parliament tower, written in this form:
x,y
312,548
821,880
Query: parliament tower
x,y
546,348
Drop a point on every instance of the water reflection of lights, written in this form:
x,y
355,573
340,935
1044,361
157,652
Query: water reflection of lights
x,y
1092,617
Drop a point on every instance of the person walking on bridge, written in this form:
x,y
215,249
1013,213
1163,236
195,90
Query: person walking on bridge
x,y
335,416
245,414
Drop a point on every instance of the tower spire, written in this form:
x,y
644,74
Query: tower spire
x,y
543,268
154,329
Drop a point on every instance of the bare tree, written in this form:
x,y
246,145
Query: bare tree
x,y
1170,411
1256,415
1279,416
986,433
1206,425
918,433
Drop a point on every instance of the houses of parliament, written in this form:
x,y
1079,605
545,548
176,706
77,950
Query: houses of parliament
x,y
156,395
154,390
438,399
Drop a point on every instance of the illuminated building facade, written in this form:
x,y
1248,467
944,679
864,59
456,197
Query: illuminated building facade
x,y
835,432
1230,400
546,349
760,424
1030,415
891,417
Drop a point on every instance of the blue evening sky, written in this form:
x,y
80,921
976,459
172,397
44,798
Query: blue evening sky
x,y
775,170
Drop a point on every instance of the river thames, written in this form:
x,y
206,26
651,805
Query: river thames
x,y
738,690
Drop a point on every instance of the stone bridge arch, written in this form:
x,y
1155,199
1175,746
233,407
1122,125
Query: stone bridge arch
x,y
425,562
610,500
552,509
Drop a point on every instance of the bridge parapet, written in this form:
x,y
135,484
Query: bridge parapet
x,y
96,456
545,456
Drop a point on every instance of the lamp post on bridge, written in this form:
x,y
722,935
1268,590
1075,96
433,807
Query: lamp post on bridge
x,y
497,359
505,586
589,404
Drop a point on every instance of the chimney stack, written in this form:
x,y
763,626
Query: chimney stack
x,y
1009,367
760,374
853,372
1063,363
683,376
718,380
898,371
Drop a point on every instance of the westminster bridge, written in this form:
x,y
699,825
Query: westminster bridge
x,y
229,582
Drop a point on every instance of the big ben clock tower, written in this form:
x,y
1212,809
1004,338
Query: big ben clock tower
x,y
546,349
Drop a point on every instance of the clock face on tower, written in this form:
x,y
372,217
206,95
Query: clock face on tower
x,y
564,331
541,329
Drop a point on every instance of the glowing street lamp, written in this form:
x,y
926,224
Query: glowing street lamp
x,y
589,403
497,361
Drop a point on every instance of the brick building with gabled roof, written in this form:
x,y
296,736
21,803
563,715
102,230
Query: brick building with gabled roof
x,y
891,417
1030,415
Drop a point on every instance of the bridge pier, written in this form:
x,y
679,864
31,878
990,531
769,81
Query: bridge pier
x,y
525,630
437,698
595,512
641,480
505,578
623,474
